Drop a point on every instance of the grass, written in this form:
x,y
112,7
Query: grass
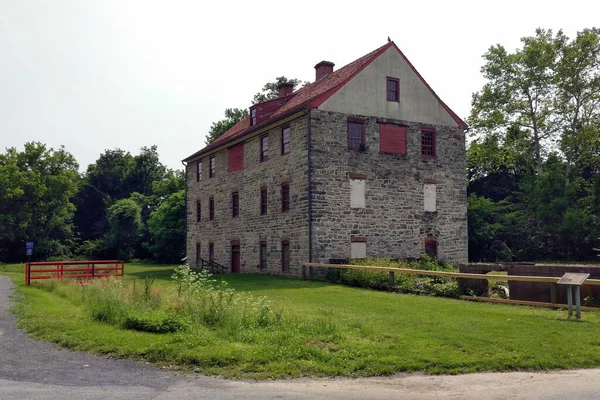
x,y
334,331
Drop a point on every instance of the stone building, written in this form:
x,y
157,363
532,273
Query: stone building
x,y
366,161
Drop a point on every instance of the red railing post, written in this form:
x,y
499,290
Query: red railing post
x,y
27,274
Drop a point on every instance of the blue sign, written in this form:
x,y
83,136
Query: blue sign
x,y
29,245
29,252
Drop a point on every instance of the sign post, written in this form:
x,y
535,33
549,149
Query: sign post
x,y
29,250
573,280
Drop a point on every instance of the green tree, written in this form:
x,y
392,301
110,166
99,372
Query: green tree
x,y
270,90
36,186
577,103
125,222
167,229
518,92
232,117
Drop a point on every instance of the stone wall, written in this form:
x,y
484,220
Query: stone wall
x,y
250,228
393,223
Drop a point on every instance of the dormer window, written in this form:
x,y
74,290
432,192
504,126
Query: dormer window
x,y
253,116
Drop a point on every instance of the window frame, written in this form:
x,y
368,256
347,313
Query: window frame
x,y
253,116
285,129
211,208
431,241
264,151
285,201
433,146
235,204
262,255
264,199
199,171
198,211
387,90
357,121
212,166
284,267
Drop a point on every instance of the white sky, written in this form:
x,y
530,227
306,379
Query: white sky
x,y
100,74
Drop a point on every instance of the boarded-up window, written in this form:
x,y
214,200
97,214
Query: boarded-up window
x,y
358,249
235,158
357,193
392,139
429,197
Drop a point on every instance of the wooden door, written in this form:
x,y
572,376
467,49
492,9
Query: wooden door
x,y
235,259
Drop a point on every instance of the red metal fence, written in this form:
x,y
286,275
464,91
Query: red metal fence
x,y
79,270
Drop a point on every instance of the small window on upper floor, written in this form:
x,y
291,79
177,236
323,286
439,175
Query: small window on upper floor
x,y
199,171
393,89
285,140
212,167
235,205
428,143
263,200
285,197
356,134
211,208
253,116
264,148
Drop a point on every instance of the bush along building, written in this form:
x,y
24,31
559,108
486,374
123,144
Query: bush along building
x,y
366,161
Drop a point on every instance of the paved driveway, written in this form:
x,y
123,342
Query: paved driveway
x,y
35,370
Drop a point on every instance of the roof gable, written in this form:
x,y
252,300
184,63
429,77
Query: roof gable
x,y
310,96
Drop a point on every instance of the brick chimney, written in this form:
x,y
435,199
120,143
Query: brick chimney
x,y
285,88
323,69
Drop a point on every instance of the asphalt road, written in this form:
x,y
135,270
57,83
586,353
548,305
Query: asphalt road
x,y
32,370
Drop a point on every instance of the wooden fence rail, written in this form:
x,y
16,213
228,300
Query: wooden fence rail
x,y
548,279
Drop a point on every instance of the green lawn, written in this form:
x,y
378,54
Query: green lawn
x,y
349,332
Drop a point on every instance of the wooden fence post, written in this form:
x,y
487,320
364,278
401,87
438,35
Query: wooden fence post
x,y
553,293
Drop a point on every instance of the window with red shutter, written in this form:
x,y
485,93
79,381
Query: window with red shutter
x,y
235,158
392,139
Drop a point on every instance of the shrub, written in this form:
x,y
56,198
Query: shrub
x,y
430,285
154,322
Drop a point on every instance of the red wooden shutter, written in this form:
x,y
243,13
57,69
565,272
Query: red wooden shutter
x,y
235,158
392,139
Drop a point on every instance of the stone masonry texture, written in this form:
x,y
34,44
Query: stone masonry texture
x,y
393,223
250,228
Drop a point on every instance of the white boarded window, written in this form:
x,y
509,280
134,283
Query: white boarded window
x,y
357,193
429,196
358,250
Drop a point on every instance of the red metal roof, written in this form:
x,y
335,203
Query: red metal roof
x,y
313,95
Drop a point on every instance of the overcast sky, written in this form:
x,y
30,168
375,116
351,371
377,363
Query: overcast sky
x,y
99,74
